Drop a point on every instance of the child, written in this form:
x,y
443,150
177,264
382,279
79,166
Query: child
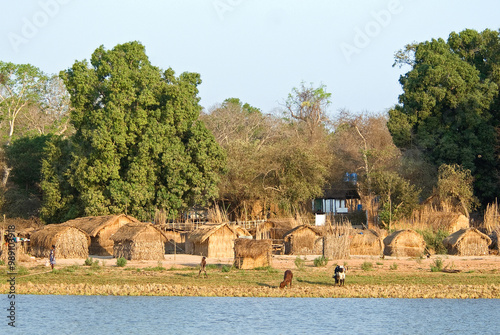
x,y
203,264
52,257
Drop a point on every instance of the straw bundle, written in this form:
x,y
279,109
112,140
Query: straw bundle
x,y
138,241
100,229
70,242
336,241
250,254
467,242
366,242
404,243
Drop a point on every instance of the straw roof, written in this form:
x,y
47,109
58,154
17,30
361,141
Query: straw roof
x,y
94,224
240,231
317,230
135,230
201,234
69,241
467,242
366,242
244,247
405,242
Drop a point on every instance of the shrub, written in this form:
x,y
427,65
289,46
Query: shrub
x,y
121,262
2,262
394,266
89,261
320,261
434,240
300,263
438,265
366,266
226,268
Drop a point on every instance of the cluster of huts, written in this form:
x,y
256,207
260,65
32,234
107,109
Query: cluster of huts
x,y
124,236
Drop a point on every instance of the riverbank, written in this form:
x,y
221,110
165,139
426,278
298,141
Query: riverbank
x,y
368,277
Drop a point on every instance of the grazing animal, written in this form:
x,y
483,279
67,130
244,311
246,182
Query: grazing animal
x,y
287,279
203,264
339,275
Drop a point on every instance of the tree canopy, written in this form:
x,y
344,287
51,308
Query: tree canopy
x,y
138,143
449,108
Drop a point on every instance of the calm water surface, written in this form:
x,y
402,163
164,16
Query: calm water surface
x,y
199,315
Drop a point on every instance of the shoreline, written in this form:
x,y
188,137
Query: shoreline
x,y
471,278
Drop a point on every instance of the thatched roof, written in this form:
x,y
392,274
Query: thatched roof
x,y
132,231
408,235
93,224
298,229
244,247
201,234
240,231
455,238
48,235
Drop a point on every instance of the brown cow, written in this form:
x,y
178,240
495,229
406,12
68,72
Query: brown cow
x,y
287,279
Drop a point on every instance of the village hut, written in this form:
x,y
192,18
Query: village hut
x,y
304,240
366,242
211,241
100,229
404,243
250,254
467,242
176,240
70,242
336,240
138,241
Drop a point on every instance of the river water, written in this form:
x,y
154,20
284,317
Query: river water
x,y
209,315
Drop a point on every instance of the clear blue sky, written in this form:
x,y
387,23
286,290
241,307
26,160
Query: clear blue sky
x,y
255,50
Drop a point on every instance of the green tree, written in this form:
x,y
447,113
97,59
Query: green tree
x,y
455,187
449,109
138,143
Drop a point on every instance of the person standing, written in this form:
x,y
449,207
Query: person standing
x,y
52,257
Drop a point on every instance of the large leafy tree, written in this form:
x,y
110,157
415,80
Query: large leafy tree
x,y
449,109
138,143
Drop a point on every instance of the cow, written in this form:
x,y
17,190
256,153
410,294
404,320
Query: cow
x,y
339,275
287,279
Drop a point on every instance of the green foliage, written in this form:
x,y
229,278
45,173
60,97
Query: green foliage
x,y
300,263
434,240
394,266
268,269
89,261
437,266
138,144
2,262
449,109
367,266
226,268
455,187
121,262
320,261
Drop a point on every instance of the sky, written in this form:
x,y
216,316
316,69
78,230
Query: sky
x,y
254,50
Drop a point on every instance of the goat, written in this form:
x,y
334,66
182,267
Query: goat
x,y
287,279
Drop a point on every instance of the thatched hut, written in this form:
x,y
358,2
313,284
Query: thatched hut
x,y
404,243
250,254
240,231
211,241
304,240
138,241
100,229
70,242
467,242
366,242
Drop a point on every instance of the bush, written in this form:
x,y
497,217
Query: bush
x,y
89,261
366,266
320,261
121,262
394,266
434,240
226,268
300,263
438,265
